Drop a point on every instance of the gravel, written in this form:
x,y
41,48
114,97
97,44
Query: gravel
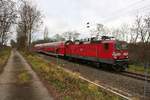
x,y
129,85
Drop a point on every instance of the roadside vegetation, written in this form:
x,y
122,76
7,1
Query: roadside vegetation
x,y
139,57
4,54
138,69
67,86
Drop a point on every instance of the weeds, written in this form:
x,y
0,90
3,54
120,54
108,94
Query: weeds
x,y
137,69
69,85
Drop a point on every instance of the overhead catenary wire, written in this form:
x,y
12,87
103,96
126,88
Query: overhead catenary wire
x,y
118,13
144,9
125,10
128,6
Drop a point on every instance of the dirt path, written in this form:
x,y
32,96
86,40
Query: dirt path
x,y
19,82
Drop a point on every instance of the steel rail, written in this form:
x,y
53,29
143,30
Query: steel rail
x,y
135,75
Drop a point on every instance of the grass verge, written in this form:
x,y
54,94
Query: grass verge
x,y
4,54
137,69
67,85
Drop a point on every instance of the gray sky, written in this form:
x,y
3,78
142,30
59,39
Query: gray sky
x,y
70,15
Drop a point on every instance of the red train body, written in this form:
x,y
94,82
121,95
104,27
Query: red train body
x,y
106,51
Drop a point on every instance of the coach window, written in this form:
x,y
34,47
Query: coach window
x,y
106,46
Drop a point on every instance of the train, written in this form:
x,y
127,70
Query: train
x,y
107,50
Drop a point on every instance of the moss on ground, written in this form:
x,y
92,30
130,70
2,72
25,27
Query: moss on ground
x,y
69,85
24,78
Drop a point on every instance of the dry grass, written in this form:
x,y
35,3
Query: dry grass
x,y
138,69
69,86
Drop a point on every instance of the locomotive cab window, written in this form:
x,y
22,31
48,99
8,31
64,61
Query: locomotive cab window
x,y
106,46
121,46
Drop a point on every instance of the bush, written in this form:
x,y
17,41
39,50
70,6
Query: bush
x,y
139,53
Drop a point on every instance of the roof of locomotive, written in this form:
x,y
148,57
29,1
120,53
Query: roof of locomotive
x,y
112,41
62,43
51,44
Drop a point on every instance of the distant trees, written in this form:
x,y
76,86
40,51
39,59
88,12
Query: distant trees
x,y
147,27
8,15
121,33
70,35
13,44
141,29
139,47
58,37
43,41
30,18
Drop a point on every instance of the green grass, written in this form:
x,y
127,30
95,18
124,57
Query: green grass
x,y
69,85
137,69
4,54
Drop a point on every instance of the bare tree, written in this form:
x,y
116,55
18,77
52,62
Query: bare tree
x,y
58,37
139,29
116,33
140,48
132,32
21,37
8,15
45,33
70,35
75,35
13,43
30,20
125,30
147,27
67,35
120,33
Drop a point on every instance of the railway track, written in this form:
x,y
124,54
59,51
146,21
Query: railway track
x,y
120,93
124,81
136,75
132,75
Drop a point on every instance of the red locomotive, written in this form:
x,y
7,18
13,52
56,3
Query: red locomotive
x,y
104,51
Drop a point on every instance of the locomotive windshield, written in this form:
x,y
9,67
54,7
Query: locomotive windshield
x,y
121,46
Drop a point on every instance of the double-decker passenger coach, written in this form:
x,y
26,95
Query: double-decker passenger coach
x,y
104,51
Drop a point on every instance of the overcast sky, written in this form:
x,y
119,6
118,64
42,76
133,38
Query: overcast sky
x,y
71,15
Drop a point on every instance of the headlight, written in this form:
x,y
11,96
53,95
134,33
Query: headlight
x,y
116,54
125,54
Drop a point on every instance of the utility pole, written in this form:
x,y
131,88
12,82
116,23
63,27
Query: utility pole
x,y
88,27
146,68
99,29
146,84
